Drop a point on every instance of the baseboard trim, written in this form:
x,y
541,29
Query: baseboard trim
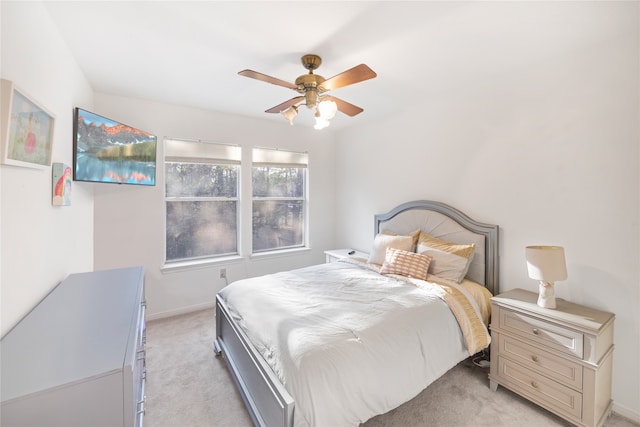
x,y
183,310
627,413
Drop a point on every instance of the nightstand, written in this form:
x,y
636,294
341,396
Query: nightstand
x,y
336,254
560,359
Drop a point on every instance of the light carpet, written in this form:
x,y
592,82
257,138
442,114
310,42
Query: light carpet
x,y
187,385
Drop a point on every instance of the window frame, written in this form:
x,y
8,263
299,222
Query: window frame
x,y
281,158
212,153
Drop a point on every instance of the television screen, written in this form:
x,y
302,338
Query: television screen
x,y
108,151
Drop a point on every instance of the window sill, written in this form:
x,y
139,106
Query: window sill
x,y
200,263
174,267
280,253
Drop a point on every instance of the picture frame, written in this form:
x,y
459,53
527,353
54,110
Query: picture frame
x,y
61,177
27,129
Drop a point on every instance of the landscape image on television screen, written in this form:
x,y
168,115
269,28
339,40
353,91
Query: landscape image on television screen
x,y
111,152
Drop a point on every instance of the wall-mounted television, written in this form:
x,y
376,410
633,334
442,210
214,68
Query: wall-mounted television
x,y
105,150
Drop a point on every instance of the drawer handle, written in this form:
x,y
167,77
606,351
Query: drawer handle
x,y
534,358
534,384
535,331
141,406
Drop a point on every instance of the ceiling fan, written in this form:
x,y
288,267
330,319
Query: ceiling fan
x,y
313,87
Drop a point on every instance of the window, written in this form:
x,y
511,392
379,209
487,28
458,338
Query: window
x,y
201,199
279,199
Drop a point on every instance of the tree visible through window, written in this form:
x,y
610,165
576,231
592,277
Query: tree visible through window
x,y
279,199
201,197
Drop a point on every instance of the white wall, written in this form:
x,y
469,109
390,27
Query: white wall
x,y
129,220
40,243
546,148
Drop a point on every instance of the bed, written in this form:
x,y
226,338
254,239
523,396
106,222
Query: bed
x,y
361,340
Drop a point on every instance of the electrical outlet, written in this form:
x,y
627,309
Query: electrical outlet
x,y
223,273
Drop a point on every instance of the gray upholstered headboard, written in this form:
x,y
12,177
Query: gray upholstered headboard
x,y
448,223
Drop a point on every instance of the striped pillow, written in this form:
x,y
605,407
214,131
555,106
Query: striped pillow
x,y
405,263
448,260
415,235
465,251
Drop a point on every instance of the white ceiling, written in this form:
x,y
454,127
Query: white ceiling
x,y
189,53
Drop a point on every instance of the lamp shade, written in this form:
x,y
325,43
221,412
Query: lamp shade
x,y
290,113
546,263
327,109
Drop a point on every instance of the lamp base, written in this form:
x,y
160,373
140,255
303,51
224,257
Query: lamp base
x,y
546,295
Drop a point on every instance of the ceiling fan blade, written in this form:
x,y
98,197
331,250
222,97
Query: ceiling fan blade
x,y
356,74
281,107
343,106
265,78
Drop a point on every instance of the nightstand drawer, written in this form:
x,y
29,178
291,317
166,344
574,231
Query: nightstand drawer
x,y
565,371
545,333
539,388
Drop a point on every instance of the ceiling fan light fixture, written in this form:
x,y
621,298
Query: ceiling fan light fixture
x,y
321,122
311,88
327,109
290,113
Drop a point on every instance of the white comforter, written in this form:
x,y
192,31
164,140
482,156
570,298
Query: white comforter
x,y
347,342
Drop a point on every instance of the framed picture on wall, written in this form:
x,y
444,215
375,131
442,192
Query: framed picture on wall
x,y
27,129
61,184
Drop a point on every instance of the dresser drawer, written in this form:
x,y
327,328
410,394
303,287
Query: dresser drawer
x,y
540,389
560,369
553,336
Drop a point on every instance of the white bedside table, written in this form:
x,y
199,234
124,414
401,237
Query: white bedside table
x,y
336,254
560,359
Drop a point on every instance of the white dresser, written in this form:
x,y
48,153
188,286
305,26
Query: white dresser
x,y
77,359
559,359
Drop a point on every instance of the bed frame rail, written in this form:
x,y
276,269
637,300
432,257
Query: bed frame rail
x,y
268,401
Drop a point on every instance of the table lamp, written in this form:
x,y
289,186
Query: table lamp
x,y
546,264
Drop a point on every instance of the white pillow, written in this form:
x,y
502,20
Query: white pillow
x,y
446,265
384,241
